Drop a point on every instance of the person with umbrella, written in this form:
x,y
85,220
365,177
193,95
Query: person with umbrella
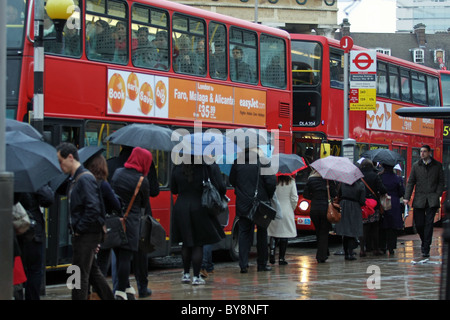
x,y
316,191
86,219
374,188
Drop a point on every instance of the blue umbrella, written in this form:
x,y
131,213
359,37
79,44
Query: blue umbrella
x,y
33,162
24,127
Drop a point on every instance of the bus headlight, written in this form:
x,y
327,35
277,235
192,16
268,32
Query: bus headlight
x,y
303,205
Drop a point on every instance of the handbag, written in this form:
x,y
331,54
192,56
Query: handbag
x,y
385,201
262,213
21,220
211,198
368,208
152,235
115,235
333,210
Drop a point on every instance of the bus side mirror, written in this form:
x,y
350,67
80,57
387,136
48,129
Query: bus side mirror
x,y
324,150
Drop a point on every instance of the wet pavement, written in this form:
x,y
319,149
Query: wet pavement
x,y
405,275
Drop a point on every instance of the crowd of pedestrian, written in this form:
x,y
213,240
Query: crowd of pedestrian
x,y
96,187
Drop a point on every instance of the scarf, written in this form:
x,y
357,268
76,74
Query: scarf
x,y
140,160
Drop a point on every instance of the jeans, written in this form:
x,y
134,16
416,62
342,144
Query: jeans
x,y
84,247
207,262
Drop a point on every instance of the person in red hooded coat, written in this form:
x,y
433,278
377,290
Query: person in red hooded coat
x,y
124,182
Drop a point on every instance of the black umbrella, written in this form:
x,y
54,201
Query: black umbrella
x,y
288,164
33,162
383,156
147,136
14,125
88,152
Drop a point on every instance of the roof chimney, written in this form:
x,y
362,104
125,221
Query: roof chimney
x,y
345,27
419,31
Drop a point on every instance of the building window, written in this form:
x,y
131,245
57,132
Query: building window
x,y
439,56
418,55
383,50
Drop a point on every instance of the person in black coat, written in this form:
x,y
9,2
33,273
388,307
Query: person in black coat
x,y
124,182
371,225
192,224
316,191
243,177
32,243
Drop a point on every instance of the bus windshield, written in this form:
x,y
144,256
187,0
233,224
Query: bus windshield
x,y
445,78
15,15
306,62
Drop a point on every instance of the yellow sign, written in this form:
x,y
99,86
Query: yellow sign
x,y
362,99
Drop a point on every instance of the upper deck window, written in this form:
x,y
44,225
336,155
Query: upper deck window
x,y
243,56
273,61
307,61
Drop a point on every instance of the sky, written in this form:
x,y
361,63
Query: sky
x,y
368,15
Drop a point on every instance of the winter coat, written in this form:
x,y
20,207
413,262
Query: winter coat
x,y
352,197
316,191
372,178
392,219
288,197
192,224
243,177
124,182
85,211
428,180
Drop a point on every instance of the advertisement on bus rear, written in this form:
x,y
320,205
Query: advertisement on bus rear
x,y
144,95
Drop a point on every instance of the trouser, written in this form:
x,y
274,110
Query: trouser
x,y
123,265
348,244
246,233
322,227
32,253
370,238
84,247
140,266
423,220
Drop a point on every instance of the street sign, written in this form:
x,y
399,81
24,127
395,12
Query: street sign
x,y
346,43
363,80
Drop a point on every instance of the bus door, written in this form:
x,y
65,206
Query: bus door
x,y
59,246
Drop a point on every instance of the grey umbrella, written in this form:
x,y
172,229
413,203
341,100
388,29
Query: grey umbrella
x,y
33,162
88,152
384,156
148,136
14,125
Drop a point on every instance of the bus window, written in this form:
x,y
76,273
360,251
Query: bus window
x,y
382,83
149,28
15,15
189,50
273,64
394,88
243,56
306,63
433,91
336,71
406,89
107,31
217,50
419,94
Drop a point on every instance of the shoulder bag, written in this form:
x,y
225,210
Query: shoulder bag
x,y
152,235
384,200
211,198
115,235
21,220
334,209
262,213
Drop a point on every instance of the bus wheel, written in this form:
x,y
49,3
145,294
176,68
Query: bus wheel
x,y
234,248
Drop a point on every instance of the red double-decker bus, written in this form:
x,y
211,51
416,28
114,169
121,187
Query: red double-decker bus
x,y
118,62
318,116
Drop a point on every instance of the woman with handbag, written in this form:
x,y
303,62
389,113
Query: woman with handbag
x,y
193,225
316,191
131,184
280,230
392,219
371,225
352,198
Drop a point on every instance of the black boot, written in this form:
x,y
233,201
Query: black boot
x,y
272,246
283,246
348,249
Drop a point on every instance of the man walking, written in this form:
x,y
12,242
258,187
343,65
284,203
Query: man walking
x,y
427,176
86,220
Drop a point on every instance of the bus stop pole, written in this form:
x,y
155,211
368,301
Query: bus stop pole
x,y
348,145
38,99
6,178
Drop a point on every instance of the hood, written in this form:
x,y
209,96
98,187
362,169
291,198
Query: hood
x,y
140,159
